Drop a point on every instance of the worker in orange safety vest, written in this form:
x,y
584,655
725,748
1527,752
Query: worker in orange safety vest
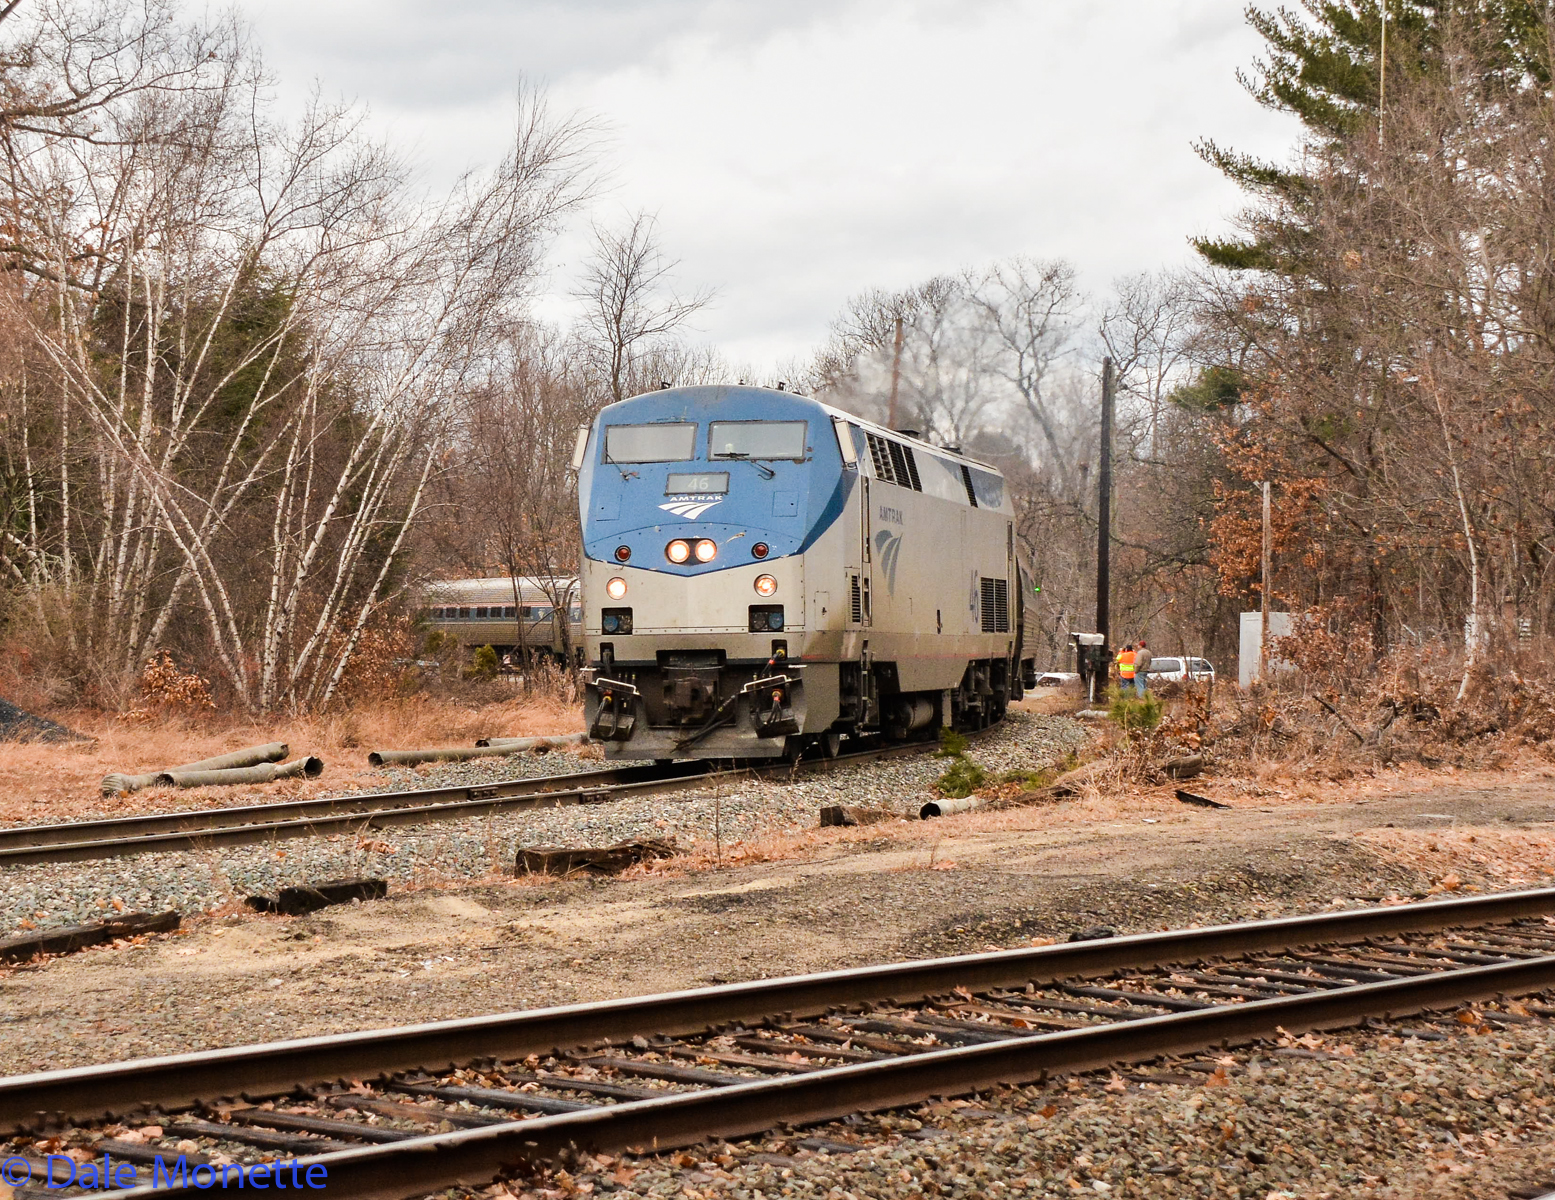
x,y
1125,662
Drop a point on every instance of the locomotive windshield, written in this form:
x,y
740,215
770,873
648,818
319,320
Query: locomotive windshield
x,y
757,439
650,443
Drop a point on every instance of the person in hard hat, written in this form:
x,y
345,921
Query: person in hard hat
x,y
1142,659
1125,661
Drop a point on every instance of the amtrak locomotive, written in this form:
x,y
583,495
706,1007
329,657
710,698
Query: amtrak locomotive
x,y
763,574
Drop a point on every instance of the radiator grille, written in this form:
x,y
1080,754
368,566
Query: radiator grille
x,y
858,603
996,606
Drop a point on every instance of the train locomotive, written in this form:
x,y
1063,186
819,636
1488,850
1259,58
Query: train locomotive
x,y
764,575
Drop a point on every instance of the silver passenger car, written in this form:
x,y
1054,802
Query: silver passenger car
x,y
483,612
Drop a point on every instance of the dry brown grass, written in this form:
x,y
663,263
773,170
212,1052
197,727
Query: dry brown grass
x,y
1470,858
40,780
1052,701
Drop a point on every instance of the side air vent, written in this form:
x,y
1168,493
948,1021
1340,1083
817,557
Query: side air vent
x,y
966,479
995,606
880,457
893,462
857,602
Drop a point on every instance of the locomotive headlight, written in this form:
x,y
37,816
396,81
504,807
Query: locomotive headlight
x,y
678,551
766,585
616,588
706,549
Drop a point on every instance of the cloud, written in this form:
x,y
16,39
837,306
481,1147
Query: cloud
x,y
798,153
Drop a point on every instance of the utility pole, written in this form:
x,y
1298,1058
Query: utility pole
x,y
1104,506
896,375
1263,637
1382,83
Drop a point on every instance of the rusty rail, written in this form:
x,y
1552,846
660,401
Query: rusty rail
x,y
259,823
276,1068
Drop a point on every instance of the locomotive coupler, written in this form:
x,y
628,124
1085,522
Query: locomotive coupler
x,y
616,715
771,705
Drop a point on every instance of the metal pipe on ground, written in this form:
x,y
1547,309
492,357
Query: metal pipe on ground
x,y
119,784
502,747
530,743
945,808
309,768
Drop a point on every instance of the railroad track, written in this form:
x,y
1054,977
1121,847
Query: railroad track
x,y
418,1109
259,823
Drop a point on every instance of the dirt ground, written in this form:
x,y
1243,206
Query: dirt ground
x,y
47,781
833,899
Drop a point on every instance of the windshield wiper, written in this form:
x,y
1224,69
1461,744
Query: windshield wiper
x,y
744,457
625,474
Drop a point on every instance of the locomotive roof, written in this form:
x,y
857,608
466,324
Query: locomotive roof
x,y
699,393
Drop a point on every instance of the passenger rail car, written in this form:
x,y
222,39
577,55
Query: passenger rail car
x,y
762,573
482,612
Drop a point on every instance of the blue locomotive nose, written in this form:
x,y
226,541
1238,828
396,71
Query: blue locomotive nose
x,y
695,480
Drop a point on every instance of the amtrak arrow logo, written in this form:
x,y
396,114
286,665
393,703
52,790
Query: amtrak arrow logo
x,y
888,546
690,509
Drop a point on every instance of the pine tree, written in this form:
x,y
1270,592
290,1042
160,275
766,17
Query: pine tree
x,y
1326,66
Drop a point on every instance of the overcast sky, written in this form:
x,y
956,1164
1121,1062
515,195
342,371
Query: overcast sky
x,y
796,153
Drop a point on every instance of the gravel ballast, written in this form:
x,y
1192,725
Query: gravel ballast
x,y
1355,1114
199,881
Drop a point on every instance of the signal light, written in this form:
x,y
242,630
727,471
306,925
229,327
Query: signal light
x,y
616,588
761,550
678,551
766,585
706,550
623,553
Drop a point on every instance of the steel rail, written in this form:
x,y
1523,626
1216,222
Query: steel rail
x,y
421,1165
114,828
378,810
277,1068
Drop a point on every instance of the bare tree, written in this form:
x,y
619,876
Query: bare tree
x,y
252,333
1033,309
1148,328
628,310
514,454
